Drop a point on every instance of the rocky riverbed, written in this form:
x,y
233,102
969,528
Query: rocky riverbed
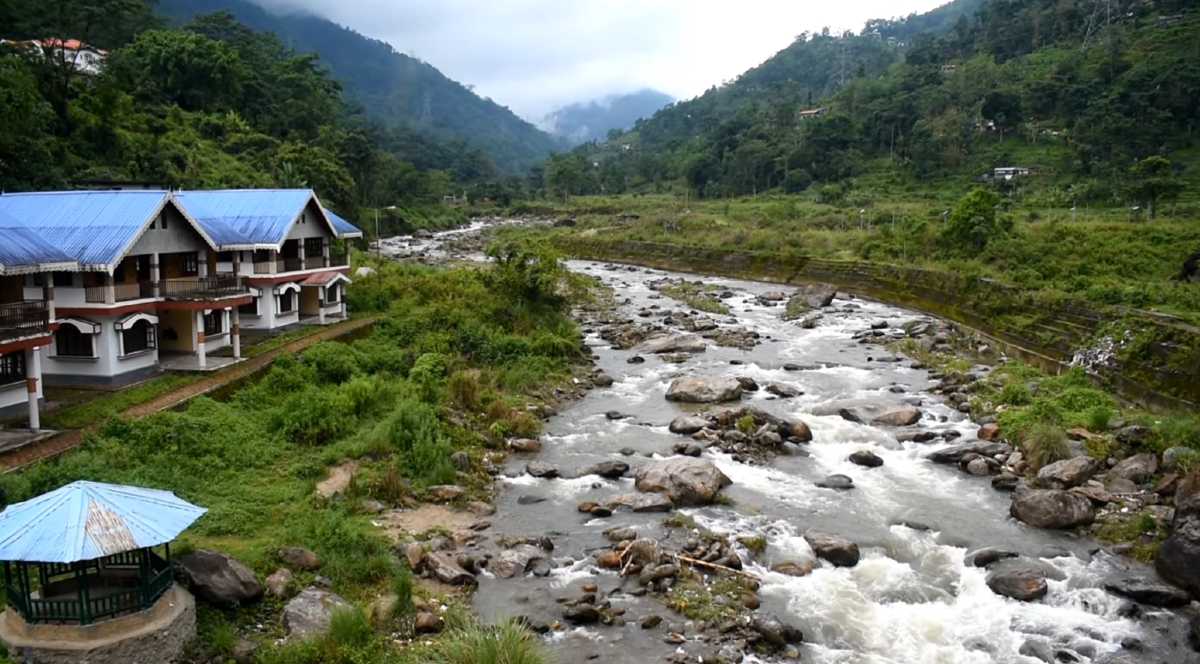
x,y
769,482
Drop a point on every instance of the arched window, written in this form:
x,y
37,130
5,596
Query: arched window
x,y
140,336
70,342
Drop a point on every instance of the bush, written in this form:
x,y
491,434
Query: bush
x,y
348,627
1016,394
313,416
333,362
507,643
1099,416
414,432
402,586
1044,445
427,375
465,389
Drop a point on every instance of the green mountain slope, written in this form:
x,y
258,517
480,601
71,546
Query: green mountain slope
x,y
392,87
591,121
1078,94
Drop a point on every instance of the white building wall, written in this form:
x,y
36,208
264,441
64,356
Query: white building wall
x,y
107,363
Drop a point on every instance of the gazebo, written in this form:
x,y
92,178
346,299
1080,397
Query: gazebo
x,y
86,552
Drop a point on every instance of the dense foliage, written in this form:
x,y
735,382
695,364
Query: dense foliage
x,y
437,122
1076,95
210,104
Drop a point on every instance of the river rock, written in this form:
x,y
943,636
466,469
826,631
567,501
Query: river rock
x,y
445,568
774,632
1194,633
900,417
1005,481
981,466
581,614
1068,472
426,622
688,424
609,470
516,561
278,583
1051,508
955,453
1138,468
219,579
784,391
989,432
866,458
1148,591
1178,559
837,550
988,555
298,557
685,481
541,470
808,298
525,445
799,431
445,492
748,384
641,502
1018,581
308,614
710,389
793,568
838,482
679,343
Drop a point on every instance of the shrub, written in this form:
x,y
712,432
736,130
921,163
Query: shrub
x,y
414,432
746,424
507,643
348,627
1016,394
313,416
333,362
1098,417
427,376
465,389
1044,445
402,586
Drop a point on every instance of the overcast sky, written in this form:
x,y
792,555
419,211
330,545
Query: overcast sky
x,y
536,55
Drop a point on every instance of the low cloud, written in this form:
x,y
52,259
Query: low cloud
x,y
536,55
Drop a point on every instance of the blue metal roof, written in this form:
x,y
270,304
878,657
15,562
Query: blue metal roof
x,y
246,216
87,520
22,250
342,227
94,228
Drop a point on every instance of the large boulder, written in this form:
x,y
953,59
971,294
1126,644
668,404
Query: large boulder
x,y
1137,468
1178,559
1068,472
837,550
640,502
1051,508
705,389
308,614
686,481
806,298
676,343
517,560
219,579
688,424
1148,591
298,557
446,569
901,417
955,453
1017,580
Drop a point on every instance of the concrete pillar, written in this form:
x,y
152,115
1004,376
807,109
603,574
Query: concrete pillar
x,y
202,263
300,253
201,352
321,306
325,251
33,373
235,332
155,275
273,255
48,298
110,289
237,263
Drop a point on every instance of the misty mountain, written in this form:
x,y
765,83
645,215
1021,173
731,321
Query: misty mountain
x,y
392,87
591,121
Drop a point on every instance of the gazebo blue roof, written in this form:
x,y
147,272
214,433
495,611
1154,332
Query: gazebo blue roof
x,y
88,520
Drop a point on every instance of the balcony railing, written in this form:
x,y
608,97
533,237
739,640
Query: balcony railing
x,y
264,267
23,319
202,288
339,260
315,262
289,265
121,292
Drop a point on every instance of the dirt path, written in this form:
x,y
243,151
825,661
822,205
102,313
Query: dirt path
x,y
67,440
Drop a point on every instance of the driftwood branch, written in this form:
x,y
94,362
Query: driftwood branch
x,y
713,566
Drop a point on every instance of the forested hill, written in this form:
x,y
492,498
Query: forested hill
x,y
392,87
591,121
1079,90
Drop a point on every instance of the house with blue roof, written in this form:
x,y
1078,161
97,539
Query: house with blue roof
x,y
285,244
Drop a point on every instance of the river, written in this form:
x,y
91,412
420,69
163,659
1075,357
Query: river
x,y
913,597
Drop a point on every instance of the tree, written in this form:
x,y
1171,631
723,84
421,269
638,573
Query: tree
x,y
1153,180
178,67
25,155
974,222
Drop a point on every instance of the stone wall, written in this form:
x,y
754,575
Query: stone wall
x,y
1159,365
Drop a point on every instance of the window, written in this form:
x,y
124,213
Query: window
x,y
70,342
331,294
314,247
250,309
214,323
287,302
190,265
63,279
140,336
12,368
163,219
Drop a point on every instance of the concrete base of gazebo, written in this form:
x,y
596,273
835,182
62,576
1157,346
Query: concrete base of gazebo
x,y
156,635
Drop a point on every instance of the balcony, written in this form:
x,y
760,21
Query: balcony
x,y
202,288
24,319
289,264
121,292
315,262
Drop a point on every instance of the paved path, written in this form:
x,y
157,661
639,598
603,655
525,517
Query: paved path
x,y
67,440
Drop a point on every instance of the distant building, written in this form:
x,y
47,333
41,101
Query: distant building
x,y
83,58
1006,173
812,113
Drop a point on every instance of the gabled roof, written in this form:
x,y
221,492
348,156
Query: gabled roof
x,y
88,520
341,227
250,218
22,251
94,228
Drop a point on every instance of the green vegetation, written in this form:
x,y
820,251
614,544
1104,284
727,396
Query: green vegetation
x,y
697,296
384,401
715,600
